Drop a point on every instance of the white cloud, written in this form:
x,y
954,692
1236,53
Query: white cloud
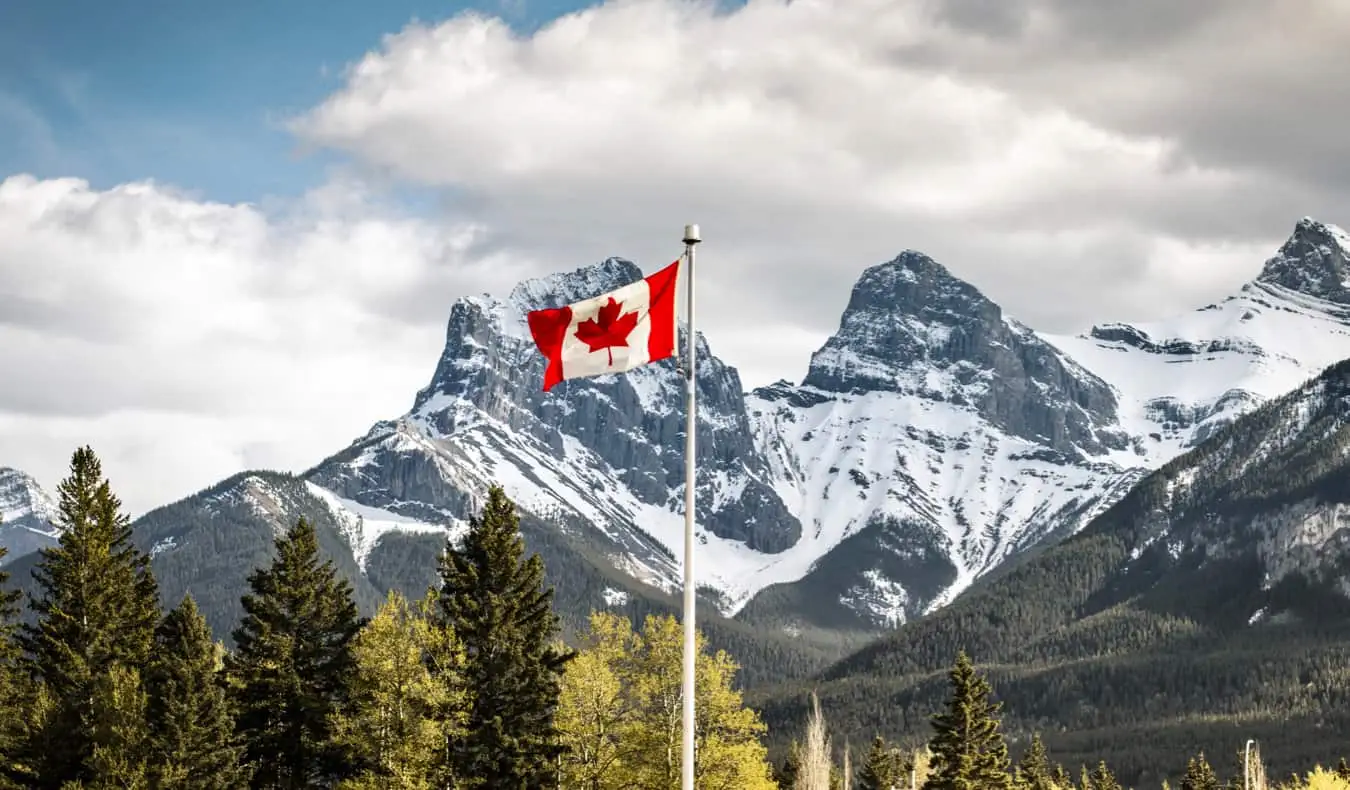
x,y
188,340
810,139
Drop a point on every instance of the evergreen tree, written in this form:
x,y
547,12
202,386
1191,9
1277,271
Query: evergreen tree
x,y
968,750
192,741
119,732
293,665
1199,775
785,775
15,706
883,768
96,609
493,599
393,725
1034,767
1102,778
1060,777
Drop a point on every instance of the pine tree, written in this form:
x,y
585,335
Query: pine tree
x,y
785,775
97,608
192,742
1199,775
293,664
495,601
1102,778
120,734
15,706
393,725
1060,777
1034,766
882,770
968,750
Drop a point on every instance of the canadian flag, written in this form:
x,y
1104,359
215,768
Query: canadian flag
x,y
611,333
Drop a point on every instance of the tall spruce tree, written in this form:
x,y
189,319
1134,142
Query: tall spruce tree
x,y
96,609
968,749
14,697
786,773
293,664
493,598
1103,779
1034,767
192,739
1199,775
883,769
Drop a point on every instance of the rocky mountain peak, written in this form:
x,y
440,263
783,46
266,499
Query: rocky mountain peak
x,y
1314,261
555,290
913,327
27,514
22,497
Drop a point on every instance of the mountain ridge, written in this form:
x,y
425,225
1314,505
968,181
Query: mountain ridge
x,y
932,439
1218,589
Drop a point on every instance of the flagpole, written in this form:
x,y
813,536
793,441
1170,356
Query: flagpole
x,y
691,238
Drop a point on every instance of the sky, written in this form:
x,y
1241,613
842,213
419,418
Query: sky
x,y
231,233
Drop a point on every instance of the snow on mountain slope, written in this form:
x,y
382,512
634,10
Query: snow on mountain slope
x,y
363,526
1179,380
932,438
937,433
27,515
600,458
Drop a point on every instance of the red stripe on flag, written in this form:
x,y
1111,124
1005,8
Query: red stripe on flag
x,y
548,328
661,313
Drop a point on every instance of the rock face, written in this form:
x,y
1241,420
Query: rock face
x,y
601,456
27,515
912,328
1314,261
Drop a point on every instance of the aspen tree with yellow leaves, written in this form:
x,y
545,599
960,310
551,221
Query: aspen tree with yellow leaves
x,y
619,714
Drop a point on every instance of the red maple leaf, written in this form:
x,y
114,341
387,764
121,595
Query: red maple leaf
x,y
608,329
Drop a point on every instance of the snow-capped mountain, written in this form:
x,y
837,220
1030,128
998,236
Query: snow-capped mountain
x,y
27,513
600,458
1179,380
932,438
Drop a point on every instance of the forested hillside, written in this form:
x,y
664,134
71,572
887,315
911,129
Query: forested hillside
x,y
1204,608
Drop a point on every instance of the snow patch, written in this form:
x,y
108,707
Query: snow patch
x,y
363,525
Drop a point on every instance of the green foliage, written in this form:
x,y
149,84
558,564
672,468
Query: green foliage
x,y
405,702
883,769
1199,775
968,749
192,739
1101,778
96,611
1034,771
620,713
118,727
14,690
493,599
294,665
785,773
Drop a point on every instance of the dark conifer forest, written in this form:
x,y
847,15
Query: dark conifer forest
x,y
478,684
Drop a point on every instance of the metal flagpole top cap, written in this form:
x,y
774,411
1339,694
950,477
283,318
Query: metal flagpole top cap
x,y
691,234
